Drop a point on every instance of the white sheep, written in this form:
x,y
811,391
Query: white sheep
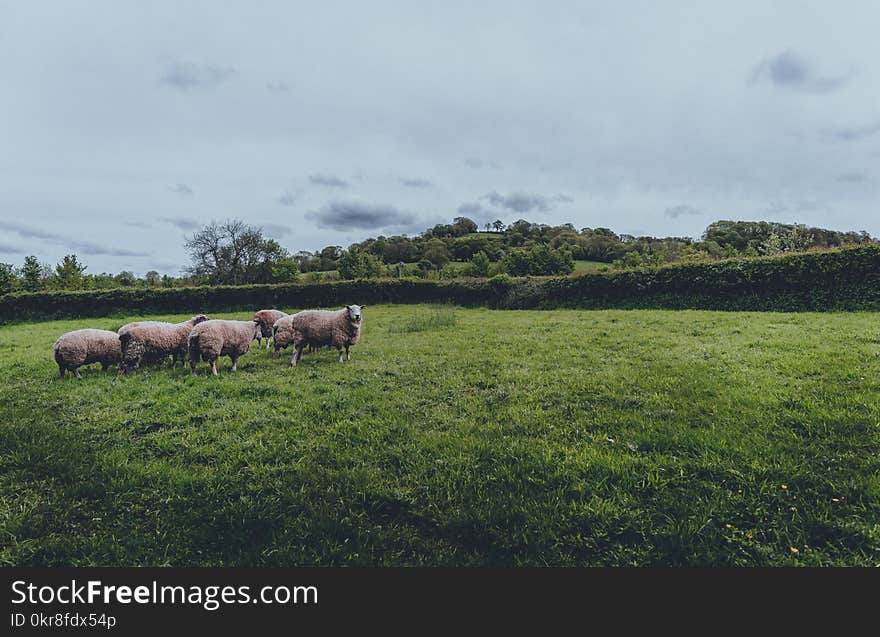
x,y
81,347
267,319
316,328
154,342
218,337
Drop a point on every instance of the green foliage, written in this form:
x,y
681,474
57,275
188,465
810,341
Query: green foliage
x,y
847,279
479,265
69,273
528,438
541,260
7,278
32,274
356,264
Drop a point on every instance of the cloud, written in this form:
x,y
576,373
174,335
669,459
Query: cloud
x,y
278,87
856,133
416,183
476,163
789,71
181,189
184,223
6,248
276,230
328,180
525,202
287,199
137,224
677,211
356,215
186,76
75,245
471,208
852,178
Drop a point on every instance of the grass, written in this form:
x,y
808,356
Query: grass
x,y
585,267
494,438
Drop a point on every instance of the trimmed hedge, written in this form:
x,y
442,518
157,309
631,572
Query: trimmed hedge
x,y
846,279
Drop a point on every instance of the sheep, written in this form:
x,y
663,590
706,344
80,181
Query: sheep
x,y
154,341
267,319
81,347
338,329
218,337
282,333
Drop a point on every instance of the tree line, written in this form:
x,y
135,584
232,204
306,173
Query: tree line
x,y
235,253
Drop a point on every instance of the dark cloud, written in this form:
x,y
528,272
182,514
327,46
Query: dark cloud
x,y
186,76
471,208
75,245
276,230
416,183
525,202
287,199
360,216
680,210
328,180
788,70
856,133
181,189
184,223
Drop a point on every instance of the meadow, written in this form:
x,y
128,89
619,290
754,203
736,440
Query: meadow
x,y
459,437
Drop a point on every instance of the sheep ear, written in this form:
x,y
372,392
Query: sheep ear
x,y
363,306
347,307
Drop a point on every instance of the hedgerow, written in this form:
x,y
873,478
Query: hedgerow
x,y
847,279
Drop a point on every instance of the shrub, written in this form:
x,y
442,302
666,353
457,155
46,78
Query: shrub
x,y
847,279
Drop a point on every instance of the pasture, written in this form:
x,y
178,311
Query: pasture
x,y
459,437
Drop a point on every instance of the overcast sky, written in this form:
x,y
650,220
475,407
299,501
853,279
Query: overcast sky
x,y
126,125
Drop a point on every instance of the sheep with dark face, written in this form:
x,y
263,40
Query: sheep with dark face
x,y
266,319
317,328
218,337
154,342
81,347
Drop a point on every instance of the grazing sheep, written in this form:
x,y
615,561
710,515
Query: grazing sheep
x,y
339,329
81,347
154,341
218,337
282,333
266,319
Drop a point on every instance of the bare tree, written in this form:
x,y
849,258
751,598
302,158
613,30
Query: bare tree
x,y
232,253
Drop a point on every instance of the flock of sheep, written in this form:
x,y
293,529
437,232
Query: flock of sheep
x,y
145,342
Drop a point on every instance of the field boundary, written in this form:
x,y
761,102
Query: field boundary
x,y
846,279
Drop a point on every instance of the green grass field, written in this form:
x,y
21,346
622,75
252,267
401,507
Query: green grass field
x,y
459,437
585,267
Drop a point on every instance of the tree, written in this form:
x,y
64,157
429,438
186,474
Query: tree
x,y
479,265
498,225
69,273
32,274
7,278
285,270
357,264
233,253
152,278
126,279
463,226
437,253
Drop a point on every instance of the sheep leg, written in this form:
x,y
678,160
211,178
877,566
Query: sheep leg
x,y
234,363
339,349
214,367
347,353
297,353
76,372
61,370
192,367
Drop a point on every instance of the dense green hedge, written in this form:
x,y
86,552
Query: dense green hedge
x,y
838,280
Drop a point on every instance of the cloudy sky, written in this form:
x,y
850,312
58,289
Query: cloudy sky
x,y
124,126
